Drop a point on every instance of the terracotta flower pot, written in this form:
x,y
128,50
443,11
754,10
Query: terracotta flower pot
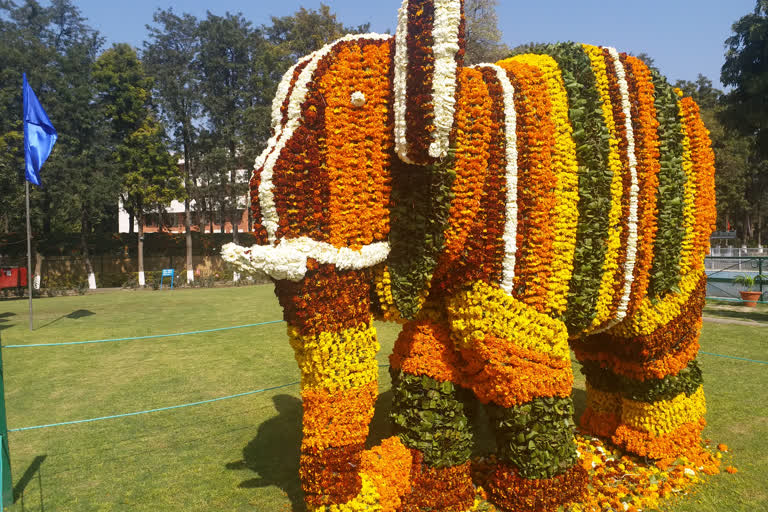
x,y
750,299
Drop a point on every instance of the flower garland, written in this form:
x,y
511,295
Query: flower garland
x,y
689,196
429,42
663,416
631,185
535,193
651,315
389,468
647,150
602,414
424,348
485,252
326,301
704,169
670,364
659,342
565,168
684,440
359,187
384,304
439,488
499,372
513,492
665,272
613,245
330,476
295,120
336,360
486,310
473,135
590,135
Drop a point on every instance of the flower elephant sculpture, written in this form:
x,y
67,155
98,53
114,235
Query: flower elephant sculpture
x,y
507,214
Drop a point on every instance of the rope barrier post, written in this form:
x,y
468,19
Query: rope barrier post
x,y
6,490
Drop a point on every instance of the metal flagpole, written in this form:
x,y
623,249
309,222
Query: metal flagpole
x,y
29,257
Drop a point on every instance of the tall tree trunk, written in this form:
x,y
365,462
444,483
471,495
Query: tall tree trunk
x,y
131,220
187,210
84,228
140,248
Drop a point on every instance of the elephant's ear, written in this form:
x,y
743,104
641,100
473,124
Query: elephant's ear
x,y
428,54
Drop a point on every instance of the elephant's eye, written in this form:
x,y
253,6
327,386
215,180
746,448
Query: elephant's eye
x,y
358,99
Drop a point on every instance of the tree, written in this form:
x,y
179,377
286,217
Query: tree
x,y
746,69
306,31
57,49
151,177
148,171
227,46
483,36
732,154
170,56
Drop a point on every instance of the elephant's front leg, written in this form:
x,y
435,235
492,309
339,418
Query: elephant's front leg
x,y
329,324
518,364
428,415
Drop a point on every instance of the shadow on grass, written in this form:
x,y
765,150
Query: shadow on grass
x,y
579,403
274,452
4,320
26,478
78,313
757,316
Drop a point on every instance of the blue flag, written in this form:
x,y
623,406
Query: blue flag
x,y
39,134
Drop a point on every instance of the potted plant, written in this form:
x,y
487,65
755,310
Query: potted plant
x,y
748,296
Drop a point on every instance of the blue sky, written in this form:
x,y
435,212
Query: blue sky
x,y
685,37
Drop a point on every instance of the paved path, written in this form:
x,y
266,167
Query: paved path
x,y
731,321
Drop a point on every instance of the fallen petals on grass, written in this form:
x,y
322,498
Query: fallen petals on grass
x,y
623,482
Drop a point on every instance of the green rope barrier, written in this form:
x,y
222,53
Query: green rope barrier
x,y
141,337
114,416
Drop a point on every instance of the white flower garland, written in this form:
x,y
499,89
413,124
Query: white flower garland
x,y
269,216
510,133
632,238
445,37
288,259
400,82
282,91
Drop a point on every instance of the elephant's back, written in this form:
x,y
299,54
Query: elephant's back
x,y
579,181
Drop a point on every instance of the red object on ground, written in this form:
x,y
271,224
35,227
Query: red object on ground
x,y
13,277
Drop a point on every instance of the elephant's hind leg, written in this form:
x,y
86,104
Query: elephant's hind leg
x,y
655,376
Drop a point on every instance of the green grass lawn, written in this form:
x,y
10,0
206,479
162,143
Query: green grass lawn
x,y
242,453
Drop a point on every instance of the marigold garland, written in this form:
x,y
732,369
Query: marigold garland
x,y
359,187
424,348
684,440
663,416
611,263
485,310
689,196
536,183
500,372
704,171
565,168
473,136
647,149
336,361
337,418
